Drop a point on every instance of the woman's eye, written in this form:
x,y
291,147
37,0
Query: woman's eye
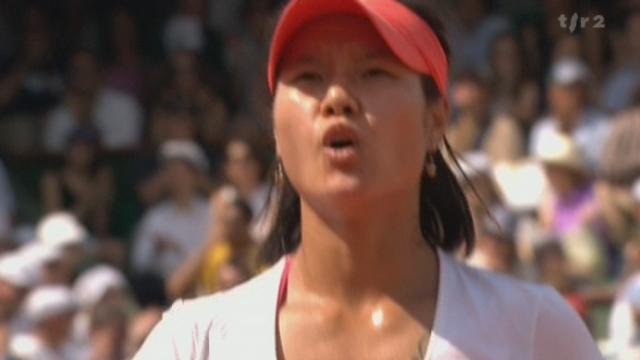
x,y
376,72
308,76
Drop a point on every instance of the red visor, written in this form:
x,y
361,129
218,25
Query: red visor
x,y
409,37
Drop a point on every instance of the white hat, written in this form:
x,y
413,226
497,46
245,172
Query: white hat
x,y
15,270
187,151
60,229
569,72
94,283
38,254
559,149
48,301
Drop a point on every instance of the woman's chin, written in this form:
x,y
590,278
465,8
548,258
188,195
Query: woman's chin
x,y
344,186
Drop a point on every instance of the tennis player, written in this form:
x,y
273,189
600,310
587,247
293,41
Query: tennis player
x,y
368,215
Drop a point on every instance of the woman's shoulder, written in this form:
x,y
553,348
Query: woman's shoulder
x,y
532,316
189,327
235,301
524,300
496,287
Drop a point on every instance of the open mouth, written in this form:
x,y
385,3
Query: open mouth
x,y
340,136
341,144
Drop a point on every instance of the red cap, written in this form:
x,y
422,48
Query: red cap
x,y
409,37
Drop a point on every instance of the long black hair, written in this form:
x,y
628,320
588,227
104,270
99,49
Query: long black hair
x,y
445,217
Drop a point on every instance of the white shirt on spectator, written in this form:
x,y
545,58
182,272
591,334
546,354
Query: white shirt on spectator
x,y
479,316
590,134
185,228
116,115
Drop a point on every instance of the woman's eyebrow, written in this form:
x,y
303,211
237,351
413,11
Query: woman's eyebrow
x,y
301,60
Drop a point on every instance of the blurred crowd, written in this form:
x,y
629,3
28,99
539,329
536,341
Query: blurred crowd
x,y
135,158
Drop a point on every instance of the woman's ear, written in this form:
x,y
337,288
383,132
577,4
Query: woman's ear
x,y
437,122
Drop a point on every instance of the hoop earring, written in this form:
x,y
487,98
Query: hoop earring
x,y
279,172
430,166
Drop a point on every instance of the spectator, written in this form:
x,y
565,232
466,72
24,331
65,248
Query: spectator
x,y
191,84
475,127
185,31
99,287
125,71
16,278
617,163
246,54
494,224
173,230
243,170
623,83
554,270
46,261
108,333
568,47
617,171
570,112
229,246
33,83
174,119
570,212
571,203
171,120
472,35
49,311
64,232
495,249
515,91
83,186
116,116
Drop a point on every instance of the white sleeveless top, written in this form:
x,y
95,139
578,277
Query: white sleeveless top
x,y
479,315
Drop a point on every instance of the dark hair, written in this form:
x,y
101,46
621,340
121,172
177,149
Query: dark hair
x,y
445,217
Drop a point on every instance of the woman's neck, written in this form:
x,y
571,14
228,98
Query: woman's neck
x,y
376,251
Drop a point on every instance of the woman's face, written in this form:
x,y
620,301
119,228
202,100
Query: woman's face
x,y
242,168
337,70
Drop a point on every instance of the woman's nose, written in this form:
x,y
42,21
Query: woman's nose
x,y
339,102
